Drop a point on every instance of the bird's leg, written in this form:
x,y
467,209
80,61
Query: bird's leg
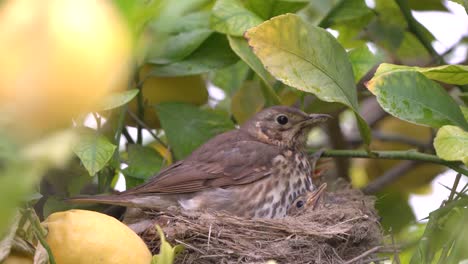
x,y
316,196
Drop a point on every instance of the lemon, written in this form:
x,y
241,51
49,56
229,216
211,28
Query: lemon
x,y
415,180
58,58
80,236
183,89
17,259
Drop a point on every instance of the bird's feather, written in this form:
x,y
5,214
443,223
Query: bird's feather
x,y
230,159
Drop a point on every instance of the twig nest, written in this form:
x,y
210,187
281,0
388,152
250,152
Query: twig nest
x,y
344,226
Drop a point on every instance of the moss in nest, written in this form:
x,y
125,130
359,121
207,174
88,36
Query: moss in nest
x,y
344,227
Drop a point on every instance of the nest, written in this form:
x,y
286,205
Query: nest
x,y
343,229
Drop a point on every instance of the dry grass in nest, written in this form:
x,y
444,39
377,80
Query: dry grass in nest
x,y
343,229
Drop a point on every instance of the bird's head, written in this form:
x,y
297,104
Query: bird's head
x,y
282,126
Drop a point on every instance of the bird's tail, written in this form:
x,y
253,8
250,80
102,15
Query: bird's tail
x,y
128,200
101,199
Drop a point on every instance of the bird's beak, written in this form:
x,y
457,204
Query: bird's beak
x,y
318,118
316,196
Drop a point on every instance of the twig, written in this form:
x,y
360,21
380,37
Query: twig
x,y
140,107
190,246
98,120
396,257
390,176
120,126
377,260
143,124
209,238
454,188
459,194
396,155
363,255
127,136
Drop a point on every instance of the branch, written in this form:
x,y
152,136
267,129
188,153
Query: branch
x,y
396,155
143,124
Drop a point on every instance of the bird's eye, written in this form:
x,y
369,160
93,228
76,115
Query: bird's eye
x,y
282,119
299,204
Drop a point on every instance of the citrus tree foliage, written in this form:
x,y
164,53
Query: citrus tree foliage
x,y
379,74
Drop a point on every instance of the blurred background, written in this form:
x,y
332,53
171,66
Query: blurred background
x,y
98,96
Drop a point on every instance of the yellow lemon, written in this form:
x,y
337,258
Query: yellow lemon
x,y
417,179
14,258
58,58
184,89
80,236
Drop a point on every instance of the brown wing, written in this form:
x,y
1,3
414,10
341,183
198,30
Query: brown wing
x,y
228,159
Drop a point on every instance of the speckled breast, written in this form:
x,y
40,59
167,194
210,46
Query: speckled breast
x,y
272,196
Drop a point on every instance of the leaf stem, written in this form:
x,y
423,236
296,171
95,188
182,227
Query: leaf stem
x,y
454,187
396,155
127,136
140,109
98,120
144,125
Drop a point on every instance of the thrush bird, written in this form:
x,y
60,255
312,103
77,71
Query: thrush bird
x,y
307,200
257,170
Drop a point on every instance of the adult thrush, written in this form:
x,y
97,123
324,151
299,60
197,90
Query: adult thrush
x,y
257,170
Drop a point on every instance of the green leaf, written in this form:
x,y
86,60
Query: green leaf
x,y
138,12
177,34
232,18
453,74
188,127
392,14
444,226
352,33
387,35
247,101
22,167
307,58
267,9
167,253
143,162
451,143
464,110
411,51
242,49
304,57
394,209
15,189
363,60
117,99
94,150
213,54
346,10
231,78
464,97
410,96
